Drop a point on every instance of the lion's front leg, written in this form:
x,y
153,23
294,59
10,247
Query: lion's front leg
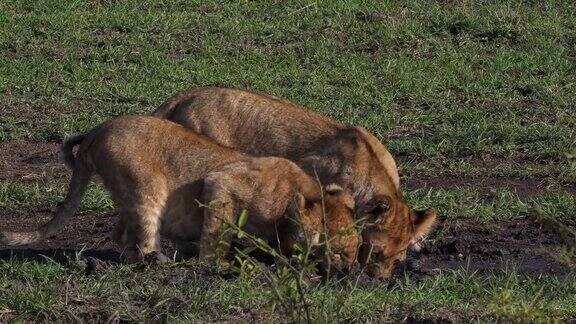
x,y
119,233
216,231
187,249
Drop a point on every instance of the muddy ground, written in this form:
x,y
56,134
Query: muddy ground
x,y
520,244
477,246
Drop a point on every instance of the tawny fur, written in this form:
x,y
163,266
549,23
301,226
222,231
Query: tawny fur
x,y
264,125
158,171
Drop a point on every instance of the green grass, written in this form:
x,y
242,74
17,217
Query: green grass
x,y
23,195
192,291
455,203
501,204
461,80
457,90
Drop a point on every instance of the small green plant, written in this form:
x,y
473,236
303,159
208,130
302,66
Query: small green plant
x,y
564,234
286,279
292,277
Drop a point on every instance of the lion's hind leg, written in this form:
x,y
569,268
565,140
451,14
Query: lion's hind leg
x,y
119,234
138,229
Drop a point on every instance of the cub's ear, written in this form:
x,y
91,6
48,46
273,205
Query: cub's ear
x,y
423,223
300,201
333,189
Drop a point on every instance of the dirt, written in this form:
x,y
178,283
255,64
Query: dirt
x,y
30,161
487,247
478,246
89,233
472,245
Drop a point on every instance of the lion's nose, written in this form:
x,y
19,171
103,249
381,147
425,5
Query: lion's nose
x,y
352,256
346,260
337,259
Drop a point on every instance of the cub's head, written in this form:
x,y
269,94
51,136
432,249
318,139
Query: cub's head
x,y
359,161
389,229
331,226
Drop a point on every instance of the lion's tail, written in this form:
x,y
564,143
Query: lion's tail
x,y
66,148
78,185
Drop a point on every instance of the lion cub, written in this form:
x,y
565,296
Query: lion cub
x,y
161,176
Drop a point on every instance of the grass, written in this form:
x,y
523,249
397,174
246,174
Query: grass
x,y
14,195
461,80
457,90
455,203
65,292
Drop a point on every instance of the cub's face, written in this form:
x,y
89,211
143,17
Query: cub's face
x,y
344,238
334,230
390,229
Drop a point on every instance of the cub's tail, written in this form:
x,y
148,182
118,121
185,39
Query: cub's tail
x,y
78,185
66,148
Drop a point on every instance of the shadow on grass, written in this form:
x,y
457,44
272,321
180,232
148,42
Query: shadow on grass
x,y
61,256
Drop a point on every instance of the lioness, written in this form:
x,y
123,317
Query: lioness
x,y
156,170
263,125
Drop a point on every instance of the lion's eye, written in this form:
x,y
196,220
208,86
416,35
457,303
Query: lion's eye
x,y
378,209
377,255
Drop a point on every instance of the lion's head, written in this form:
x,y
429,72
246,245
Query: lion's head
x,y
363,166
390,228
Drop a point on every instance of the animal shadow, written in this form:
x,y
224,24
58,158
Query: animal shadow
x,y
60,256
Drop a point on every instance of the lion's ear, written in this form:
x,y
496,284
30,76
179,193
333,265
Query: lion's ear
x,y
423,223
300,201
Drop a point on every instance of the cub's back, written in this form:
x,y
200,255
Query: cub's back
x,y
257,124
161,145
